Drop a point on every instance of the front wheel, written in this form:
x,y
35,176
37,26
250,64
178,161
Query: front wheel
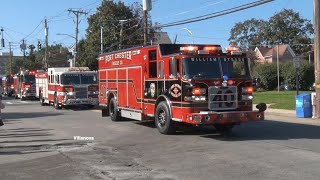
x,y
41,100
56,103
113,110
163,120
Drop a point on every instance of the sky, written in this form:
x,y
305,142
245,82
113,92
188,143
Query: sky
x,y
24,19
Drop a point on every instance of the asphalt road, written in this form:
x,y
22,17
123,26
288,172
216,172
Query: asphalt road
x,y
38,143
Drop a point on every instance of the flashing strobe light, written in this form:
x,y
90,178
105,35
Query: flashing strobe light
x,y
211,48
32,72
189,48
250,90
232,48
198,91
247,90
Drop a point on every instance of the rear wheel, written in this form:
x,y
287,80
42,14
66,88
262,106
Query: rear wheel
x,y
163,120
113,110
56,102
23,98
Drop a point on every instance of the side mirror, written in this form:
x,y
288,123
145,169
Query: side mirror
x,y
173,67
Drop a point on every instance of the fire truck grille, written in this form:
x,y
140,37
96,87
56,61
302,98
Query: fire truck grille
x,y
33,88
81,92
222,98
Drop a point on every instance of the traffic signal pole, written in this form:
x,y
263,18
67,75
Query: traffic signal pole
x,y
317,54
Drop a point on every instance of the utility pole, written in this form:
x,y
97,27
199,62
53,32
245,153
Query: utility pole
x,y
121,32
24,49
278,71
317,54
76,13
46,51
101,39
145,27
147,6
10,51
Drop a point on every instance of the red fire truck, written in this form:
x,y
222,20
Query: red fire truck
x,y
7,85
169,83
24,84
66,87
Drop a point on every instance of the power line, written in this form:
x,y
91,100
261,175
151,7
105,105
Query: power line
x,y
216,14
34,30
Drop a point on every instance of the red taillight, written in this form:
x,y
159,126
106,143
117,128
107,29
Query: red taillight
x,y
27,86
11,86
249,90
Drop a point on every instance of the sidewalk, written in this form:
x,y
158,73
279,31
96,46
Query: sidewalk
x,y
289,116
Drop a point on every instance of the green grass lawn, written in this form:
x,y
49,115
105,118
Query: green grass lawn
x,y
279,100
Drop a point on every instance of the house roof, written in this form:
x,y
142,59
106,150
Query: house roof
x,y
266,51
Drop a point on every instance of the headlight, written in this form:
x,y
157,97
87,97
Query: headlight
x,y
93,92
246,97
70,93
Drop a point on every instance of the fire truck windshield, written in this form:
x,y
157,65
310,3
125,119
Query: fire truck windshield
x,y
71,79
235,68
209,67
200,68
29,79
9,79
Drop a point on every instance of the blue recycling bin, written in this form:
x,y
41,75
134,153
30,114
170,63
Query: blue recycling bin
x,y
303,106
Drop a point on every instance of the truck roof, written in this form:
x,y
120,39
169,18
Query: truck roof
x,y
165,49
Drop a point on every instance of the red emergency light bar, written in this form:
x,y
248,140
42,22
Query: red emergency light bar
x,y
233,50
32,72
189,48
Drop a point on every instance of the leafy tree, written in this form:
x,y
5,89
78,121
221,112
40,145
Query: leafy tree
x,y
285,27
57,56
248,33
288,27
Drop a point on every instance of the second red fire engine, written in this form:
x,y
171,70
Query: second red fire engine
x,y
66,87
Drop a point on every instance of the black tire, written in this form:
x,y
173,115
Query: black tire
x,y
41,100
113,110
23,98
56,103
163,120
16,96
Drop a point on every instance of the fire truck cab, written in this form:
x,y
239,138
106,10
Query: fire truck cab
x,y
7,85
170,83
66,87
25,84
